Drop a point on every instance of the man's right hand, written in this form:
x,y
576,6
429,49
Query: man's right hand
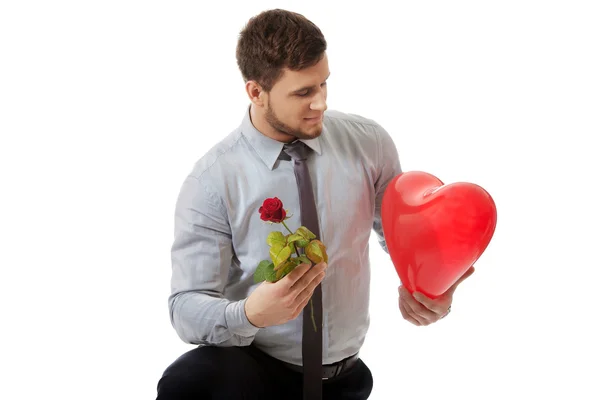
x,y
275,303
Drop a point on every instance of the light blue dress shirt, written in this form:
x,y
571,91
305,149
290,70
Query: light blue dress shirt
x,y
220,238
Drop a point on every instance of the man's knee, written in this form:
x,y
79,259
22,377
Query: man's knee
x,y
210,371
171,386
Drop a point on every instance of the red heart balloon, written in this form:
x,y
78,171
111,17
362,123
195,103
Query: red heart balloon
x,y
435,232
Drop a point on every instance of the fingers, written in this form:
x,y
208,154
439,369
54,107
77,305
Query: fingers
x,y
305,280
306,294
293,277
420,313
408,316
415,310
300,284
439,306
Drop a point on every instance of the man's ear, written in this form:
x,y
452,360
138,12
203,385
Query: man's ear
x,y
256,94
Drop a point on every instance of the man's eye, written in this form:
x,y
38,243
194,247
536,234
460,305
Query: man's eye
x,y
307,92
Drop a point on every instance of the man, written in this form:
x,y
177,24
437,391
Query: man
x,y
251,336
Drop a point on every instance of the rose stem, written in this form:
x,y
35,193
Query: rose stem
x,y
286,227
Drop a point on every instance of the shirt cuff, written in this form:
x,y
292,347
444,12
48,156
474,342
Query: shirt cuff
x,y
237,321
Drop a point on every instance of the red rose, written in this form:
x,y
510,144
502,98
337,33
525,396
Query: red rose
x,y
272,210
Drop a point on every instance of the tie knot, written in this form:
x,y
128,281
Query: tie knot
x,y
297,150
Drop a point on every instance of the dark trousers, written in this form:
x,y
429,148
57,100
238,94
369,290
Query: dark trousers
x,y
247,373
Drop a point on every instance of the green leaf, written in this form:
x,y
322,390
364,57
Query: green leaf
x,y
263,270
297,260
289,243
270,274
302,237
279,254
292,248
302,243
289,266
305,233
276,237
304,260
294,237
299,240
316,252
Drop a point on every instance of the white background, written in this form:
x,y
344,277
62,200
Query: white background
x,y
105,106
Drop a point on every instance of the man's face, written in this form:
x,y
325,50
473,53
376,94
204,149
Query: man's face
x,y
296,103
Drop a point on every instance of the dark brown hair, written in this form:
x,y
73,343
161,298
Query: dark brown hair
x,y
277,39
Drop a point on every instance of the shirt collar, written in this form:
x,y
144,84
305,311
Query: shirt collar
x,y
269,149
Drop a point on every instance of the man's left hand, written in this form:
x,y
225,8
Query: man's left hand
x,y
420,310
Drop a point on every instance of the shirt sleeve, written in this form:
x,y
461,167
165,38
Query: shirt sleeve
x,y
201,256
388,168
